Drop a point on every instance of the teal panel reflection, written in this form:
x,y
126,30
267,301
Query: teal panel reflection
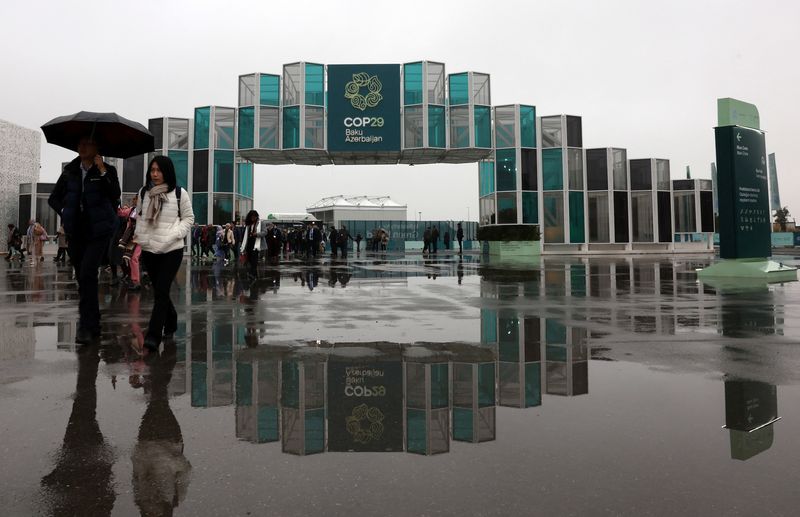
x,y
533,384
506,165
244,184
577,275
552,169
180,159
416,431
530,207
291,127
412,84
290,385
436,127
459,89
486,385
315,430
270,90
483,126
200,207
485,178
268,429
462,424
555,332
440,391
488,326
315,84
223,171
244,384
576,221
199,384
247,127
527,126
202,127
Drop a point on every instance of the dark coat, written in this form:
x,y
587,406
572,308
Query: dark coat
x,y
88,207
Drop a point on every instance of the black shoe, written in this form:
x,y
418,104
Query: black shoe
x,y
86,337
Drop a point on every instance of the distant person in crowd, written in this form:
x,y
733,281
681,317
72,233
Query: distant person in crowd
x,y
333,238
342,238
447,240
196,233
165,220
131,251
27,239
459,236
85,197
209,237
274,241
252,242
114,256
376,239
426,239
435,239
238,235
14,243
228,241
313,239
384,240
358,240
39,238
61,240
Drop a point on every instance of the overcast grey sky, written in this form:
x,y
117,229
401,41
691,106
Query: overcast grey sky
x,y
643,75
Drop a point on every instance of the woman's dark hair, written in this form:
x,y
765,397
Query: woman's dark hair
x,y
252,217
167,169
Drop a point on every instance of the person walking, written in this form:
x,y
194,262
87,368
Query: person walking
x,y
228,242
132,252
195,241
14,243
165,221
333,238
447,240
342,238
358,240
274,242
39,238
435,239
85,196
61,239
238,235
426,240
253,241
459,236
313,238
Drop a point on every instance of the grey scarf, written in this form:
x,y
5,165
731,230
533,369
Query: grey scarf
x,y
158,194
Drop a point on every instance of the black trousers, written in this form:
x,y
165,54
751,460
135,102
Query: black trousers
x,y
162,268
252,261
62,254
86,257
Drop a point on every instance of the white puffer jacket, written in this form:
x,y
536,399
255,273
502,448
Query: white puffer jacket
x,y
168,231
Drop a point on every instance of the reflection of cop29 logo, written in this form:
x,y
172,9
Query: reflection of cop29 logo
x,y
365,424
362,101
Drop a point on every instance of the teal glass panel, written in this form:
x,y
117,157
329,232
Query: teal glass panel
x,y
486,383
555,332
527,126
436,127
530,207
202,127
486,178
576,222
552,169
268,430
462,424
507,208
577,276
290,385
247,127
483,126
270,90
291,127
244,384
412,84
459,89
180,159
315,430
556,353
508,352
440,392
506,165
315,84
533,384
200,207
508,331
244,183
488,326
459,127
416,431
199,384
223,171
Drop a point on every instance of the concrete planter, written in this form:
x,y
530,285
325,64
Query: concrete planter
x,y
512,249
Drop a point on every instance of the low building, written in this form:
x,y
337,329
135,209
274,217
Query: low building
x,y
334,209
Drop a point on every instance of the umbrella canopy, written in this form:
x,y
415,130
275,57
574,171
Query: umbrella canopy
x,y
115,136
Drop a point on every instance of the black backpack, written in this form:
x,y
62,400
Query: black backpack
x,y
177,197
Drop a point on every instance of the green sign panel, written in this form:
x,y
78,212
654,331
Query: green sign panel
x,y
363,108
744,214
365,406
733,112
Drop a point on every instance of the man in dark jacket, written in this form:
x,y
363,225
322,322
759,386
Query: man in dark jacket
x,y
85,196
14,243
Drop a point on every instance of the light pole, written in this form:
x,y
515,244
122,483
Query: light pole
x,y
467,214
420,216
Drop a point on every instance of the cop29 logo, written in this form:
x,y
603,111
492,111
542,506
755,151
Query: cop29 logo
x,y
359,100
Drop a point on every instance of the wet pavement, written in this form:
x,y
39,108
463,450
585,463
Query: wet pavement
x,y
398,385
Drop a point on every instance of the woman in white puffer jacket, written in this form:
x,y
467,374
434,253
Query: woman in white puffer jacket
x,y
161,229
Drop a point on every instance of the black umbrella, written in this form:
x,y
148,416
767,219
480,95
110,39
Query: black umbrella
x,y
115,136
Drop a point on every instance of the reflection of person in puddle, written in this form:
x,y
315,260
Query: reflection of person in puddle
x,y
82,481
160,470
460,269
